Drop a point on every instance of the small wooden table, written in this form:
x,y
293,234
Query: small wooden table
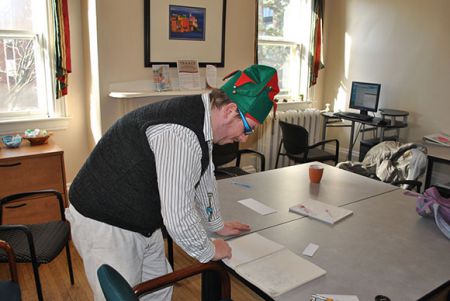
x,y
30,168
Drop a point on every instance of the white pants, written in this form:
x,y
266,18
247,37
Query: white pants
x,y
136,257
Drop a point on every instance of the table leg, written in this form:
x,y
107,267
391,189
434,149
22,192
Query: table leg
x,y
429,172
324,130
210,286
350,146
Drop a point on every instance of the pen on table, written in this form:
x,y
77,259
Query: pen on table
x,y
305,208
242,184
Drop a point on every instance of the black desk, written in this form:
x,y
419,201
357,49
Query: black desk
x,y
331,120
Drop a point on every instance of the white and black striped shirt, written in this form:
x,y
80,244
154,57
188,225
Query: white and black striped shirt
x,y
178,166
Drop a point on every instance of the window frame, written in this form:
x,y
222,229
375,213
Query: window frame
x,y
302,90
55,115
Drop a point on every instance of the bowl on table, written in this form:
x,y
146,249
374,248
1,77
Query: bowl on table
x,y
12,141
37,140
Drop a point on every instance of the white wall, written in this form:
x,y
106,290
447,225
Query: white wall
x,y
121,46
402,44
112,32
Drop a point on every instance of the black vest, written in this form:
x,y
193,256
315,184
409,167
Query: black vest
x,y
117,184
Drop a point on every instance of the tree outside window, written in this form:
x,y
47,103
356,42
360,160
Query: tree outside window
x,y
283,38
25,85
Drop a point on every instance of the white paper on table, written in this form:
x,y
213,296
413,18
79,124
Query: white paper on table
x,y
341,297
247,248
321,211
310,249
211,76
269,265
257,206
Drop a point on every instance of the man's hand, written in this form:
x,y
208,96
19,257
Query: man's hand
x,y
223,249
233,228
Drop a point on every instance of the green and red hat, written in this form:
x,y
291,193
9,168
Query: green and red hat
x,y
253,91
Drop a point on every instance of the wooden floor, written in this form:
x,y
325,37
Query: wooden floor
x,y
56,283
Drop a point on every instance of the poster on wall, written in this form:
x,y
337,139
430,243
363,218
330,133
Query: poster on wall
x,y
186,23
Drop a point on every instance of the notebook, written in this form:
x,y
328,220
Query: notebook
x,y
270,266
318,210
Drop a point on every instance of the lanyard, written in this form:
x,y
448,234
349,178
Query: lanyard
x,y
209,209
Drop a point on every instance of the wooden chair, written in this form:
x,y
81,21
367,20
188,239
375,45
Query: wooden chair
x,y
37,243
223,154
296,143
9,289
116,288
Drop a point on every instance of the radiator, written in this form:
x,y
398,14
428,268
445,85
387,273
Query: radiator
x,y
269,134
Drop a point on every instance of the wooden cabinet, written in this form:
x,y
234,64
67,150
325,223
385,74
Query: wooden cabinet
x,y
31,168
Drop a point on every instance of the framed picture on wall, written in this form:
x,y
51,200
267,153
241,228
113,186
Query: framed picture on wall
x,y
186,23
184,30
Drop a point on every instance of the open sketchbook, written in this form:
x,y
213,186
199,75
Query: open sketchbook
x,y
439,139
324,212
270,266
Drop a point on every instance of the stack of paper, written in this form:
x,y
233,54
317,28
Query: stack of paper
x,y
270,266
321,211
439,139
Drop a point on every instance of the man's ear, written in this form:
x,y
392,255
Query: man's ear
x,y
230,110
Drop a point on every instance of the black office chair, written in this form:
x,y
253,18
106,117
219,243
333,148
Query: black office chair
x,y
295,140
223,154
116,288
9,289
36,243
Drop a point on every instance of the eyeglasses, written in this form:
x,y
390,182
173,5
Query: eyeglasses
x,y
247,129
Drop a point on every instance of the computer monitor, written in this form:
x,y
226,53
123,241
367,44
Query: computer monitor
x,y
365,97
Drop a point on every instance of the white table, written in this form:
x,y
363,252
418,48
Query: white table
x,y
385,248
284,187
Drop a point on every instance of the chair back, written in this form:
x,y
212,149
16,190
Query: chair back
x,y
223,154
10,290
295,138
114,286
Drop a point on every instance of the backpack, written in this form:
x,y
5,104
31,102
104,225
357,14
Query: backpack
x,y
431,203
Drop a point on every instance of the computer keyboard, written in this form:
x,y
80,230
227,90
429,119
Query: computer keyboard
x,y
354,116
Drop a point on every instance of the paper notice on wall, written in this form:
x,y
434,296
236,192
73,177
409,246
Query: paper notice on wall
x,y
189,75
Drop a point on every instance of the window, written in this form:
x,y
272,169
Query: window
x,y
26,89
283,43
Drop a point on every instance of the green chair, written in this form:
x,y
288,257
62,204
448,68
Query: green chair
x,y
116,288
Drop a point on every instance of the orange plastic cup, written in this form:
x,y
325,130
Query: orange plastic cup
x,y
315,173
